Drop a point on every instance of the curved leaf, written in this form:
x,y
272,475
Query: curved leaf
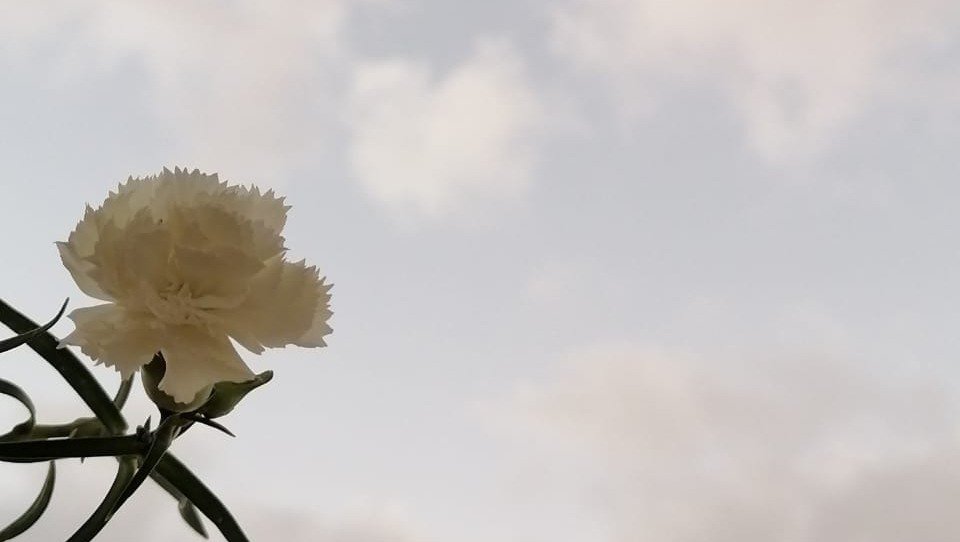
x,y
180,476
13,342
85,427
28,518
104,511
67,364
22,429
187,510
32,451
189,514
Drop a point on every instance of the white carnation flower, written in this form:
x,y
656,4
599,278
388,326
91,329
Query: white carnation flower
x,y
186,262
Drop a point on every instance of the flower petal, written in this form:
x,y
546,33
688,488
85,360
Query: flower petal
x,y
81,270
286,303
319,328
179,188
196,359
221,273
207,226
112,336
265,208
126,258
120,207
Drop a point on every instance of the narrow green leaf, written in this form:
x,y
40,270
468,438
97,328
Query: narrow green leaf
x,y
187,511
104,511
32,451
189,514
22,429
180,476
67,364
84,427
201,419
13,342
28,518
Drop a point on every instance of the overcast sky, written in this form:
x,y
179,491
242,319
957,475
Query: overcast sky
x,y
605,270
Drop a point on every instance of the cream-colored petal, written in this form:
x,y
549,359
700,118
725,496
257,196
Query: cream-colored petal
x,y
267,208
117,210
179,188
112,336
81,270
196,359
319,327
286,302
210,225
221,273
262,214
121,206
125,258
83,238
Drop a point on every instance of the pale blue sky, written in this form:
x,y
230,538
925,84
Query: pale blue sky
x,y
607,270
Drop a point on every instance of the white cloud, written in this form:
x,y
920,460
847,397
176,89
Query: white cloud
x,y
669,447
238,86
247,89
435,144
797,71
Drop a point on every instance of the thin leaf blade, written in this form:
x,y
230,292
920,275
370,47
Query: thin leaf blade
x,y
180,476
99,518
186,508
12,390
33,513
13,342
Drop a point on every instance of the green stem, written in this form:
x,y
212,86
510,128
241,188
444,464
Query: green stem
x,y
31,451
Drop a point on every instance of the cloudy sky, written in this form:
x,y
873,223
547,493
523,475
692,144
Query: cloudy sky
x,y
606,270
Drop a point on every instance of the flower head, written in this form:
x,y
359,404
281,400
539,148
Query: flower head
x,y
185,263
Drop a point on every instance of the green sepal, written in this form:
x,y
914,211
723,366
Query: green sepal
x,y
226,395
152,373
32,514
22,429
